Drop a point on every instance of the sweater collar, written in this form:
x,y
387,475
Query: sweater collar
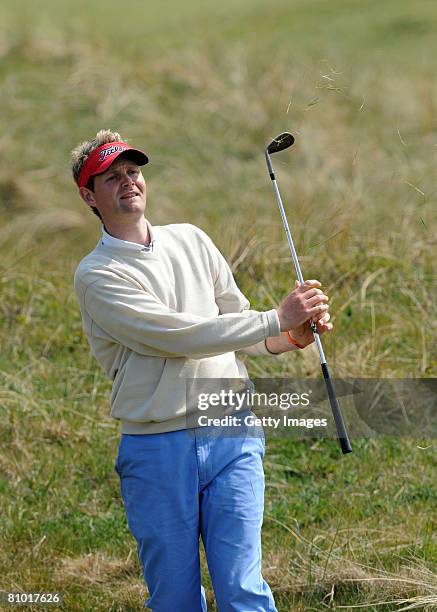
x,y
117,243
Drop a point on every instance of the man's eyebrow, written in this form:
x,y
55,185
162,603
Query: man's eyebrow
x,y
117,168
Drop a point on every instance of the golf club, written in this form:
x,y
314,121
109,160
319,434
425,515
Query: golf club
x,y
281,142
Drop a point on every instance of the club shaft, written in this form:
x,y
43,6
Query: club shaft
x,y
297,266
335,407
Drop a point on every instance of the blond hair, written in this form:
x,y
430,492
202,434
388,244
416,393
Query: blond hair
x,y
80,153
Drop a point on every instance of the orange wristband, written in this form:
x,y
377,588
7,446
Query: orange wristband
x,y
291,340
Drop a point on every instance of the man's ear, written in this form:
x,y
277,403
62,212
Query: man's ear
x,y
87,196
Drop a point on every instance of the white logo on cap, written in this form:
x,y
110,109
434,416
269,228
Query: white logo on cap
x,y
104,153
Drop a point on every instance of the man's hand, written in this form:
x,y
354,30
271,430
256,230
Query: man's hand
x,y
302,333
303,303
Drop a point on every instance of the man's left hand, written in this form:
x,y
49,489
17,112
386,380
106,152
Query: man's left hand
x,y
303,334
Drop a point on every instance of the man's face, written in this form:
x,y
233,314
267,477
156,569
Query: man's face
x,y
118,192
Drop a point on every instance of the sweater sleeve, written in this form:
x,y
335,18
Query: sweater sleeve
x,y
229,298
257,349
138,320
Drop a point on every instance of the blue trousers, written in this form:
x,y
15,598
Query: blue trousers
x,y
183,485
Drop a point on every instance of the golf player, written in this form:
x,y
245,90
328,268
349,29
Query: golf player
x,y
159,305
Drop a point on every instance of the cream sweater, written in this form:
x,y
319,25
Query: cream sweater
x,y
156,316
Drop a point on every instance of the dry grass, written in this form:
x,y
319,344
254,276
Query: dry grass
x,y
95,569
326,570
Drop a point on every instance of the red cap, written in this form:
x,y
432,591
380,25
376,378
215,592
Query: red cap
x,y
101,158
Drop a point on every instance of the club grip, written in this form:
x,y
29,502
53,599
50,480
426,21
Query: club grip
x,y
336,411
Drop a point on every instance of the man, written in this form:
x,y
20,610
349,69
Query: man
x,y
159,306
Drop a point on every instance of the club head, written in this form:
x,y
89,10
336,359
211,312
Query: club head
x,y
281,142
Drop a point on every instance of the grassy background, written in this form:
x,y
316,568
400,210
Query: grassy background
x,y
203,87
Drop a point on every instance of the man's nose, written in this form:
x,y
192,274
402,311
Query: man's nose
x,y
126,179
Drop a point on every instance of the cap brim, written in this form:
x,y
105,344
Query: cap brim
x,y
135,155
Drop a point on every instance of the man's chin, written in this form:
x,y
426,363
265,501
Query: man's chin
x,y
132,205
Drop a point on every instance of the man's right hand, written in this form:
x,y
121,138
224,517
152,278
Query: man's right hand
x,y
303,303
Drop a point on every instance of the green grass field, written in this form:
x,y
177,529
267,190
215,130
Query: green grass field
x,y
202,87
